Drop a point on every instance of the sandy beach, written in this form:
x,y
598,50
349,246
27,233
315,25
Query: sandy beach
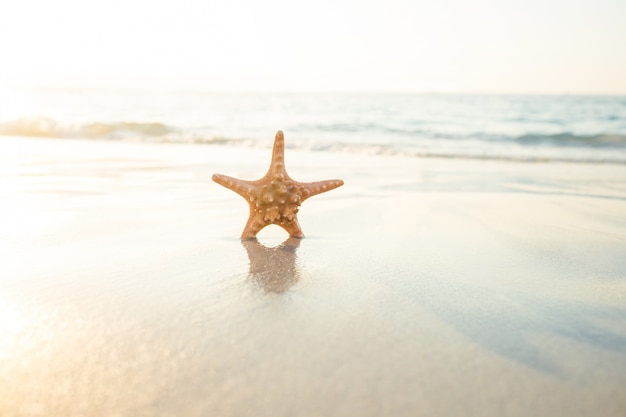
x,y
424,286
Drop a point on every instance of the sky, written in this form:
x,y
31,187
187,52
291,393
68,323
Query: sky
x,y
449,46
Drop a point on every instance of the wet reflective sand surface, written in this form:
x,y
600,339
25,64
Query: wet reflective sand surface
x,y
424,287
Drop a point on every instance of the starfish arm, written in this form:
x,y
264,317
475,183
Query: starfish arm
x,y
314,188
241,187
256,222
254,225
277,165
293,228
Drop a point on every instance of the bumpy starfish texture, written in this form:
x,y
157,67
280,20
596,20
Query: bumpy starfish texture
x,y
275,198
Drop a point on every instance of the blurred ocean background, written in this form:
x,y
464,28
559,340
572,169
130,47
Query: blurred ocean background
x,y
506,127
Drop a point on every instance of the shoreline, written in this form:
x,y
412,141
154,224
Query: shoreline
x,y
356,149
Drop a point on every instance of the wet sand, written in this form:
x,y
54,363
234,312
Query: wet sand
x,y
423,287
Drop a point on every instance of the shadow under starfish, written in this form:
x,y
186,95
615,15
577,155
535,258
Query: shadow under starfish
x,y
274,269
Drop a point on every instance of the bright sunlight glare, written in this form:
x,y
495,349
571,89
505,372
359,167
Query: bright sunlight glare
x,y
519,46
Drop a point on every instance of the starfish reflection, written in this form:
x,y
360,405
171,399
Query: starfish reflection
x,y
275,269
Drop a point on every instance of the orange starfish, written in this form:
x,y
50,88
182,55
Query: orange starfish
x,y
275,198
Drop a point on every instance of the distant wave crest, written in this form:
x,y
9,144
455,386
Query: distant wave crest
x,y
570,139
49,128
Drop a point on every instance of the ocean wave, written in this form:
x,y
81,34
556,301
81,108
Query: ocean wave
x,y
563,147
570,139
504,152
49,128
415,132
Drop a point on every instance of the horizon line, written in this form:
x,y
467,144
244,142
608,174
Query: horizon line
x,y
201,90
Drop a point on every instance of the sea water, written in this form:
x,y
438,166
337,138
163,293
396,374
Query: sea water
x,y
508,127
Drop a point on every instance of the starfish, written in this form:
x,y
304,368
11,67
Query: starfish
x,y
275,198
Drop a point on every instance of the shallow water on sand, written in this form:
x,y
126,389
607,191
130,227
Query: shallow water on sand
x,y
448,287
